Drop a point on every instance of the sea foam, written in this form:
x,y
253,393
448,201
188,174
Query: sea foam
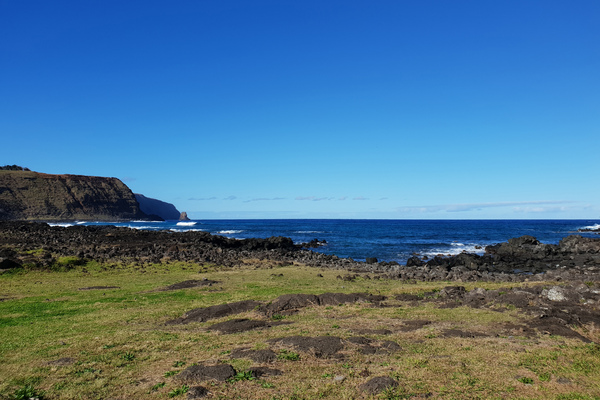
x,y
229,232
186,223
592,227
455,249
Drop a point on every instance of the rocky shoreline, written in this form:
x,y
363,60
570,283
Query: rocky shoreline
x,y
38,245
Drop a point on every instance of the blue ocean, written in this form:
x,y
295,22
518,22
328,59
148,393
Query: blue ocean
x,y
387,240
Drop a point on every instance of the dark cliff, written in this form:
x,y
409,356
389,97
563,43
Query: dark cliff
x,y
27,195
160,208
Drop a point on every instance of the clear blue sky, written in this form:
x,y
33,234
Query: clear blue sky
x,y
312,109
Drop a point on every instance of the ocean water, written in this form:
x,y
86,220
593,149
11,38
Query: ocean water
x,y
387,240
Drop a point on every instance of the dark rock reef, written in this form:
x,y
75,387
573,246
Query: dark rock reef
x,y
27,195
519,259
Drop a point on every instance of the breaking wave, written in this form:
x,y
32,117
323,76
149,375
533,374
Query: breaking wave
x,y
186,223
229,232
590,227
455,249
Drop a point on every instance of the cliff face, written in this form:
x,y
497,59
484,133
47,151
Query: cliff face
x,y
160,208
27,195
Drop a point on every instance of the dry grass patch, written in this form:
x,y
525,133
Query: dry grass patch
x,y
122,348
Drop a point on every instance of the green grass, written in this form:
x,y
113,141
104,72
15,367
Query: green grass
x,y
122,348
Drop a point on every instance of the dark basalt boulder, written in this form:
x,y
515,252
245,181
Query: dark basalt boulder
x,y
218,311
378,384
201,373
320,346
7,263
579,245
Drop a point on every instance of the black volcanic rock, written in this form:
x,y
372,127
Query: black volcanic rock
x,y
150,206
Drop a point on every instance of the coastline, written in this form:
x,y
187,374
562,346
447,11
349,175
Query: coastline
x,y
155,313
519,259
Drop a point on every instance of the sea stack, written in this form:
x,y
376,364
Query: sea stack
x,y
183,216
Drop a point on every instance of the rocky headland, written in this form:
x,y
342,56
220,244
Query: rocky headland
x,y
28,195
155,207
34,196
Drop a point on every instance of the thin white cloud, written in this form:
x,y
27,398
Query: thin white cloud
x,y
230,198
479,206
264,199
202,198
360,198
313,198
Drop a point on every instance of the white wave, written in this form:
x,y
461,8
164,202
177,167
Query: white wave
x,y
140,227
186,223
592,227
229,232
80,222
185,230
62,224
455,249
309,232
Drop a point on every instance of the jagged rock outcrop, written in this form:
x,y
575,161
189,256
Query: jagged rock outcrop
x,y
27,195
156,207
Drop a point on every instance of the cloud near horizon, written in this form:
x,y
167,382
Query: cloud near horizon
x,y
313,198
202,198
519,206
264,199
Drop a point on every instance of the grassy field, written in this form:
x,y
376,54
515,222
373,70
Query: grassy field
x,y
114,344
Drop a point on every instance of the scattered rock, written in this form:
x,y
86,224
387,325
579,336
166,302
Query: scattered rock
x,y
237,325
99,287
372,331
62,361
188,284
320,346
7,263
556,293
259,356
259,372
289,303
378,384
201,373
218,311
462,334
197,392
414,324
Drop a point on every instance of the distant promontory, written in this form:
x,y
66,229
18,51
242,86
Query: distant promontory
x,y
28,195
